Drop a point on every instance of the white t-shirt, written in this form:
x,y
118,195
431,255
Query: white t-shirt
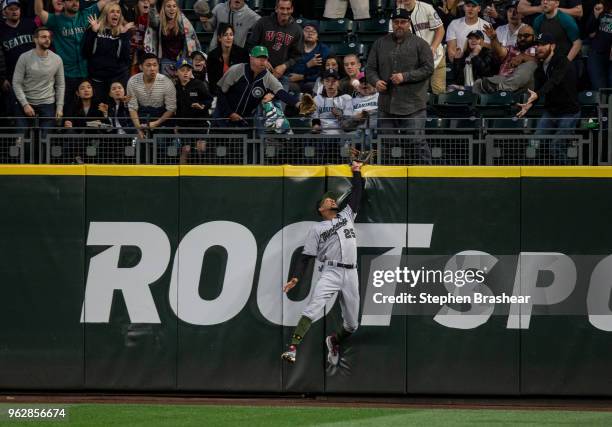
x,y
506,37
458,30
325,105
367,103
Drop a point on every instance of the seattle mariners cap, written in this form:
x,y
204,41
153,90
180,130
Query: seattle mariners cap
x,y
476,33
400,14
259,52
183,62
8,3
545,38
474,2
311,24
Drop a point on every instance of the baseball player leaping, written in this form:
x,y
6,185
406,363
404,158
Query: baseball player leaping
x,y
333,242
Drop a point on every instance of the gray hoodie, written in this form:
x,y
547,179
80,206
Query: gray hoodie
x,y
242,20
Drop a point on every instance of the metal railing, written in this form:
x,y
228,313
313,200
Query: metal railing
x,y
490,141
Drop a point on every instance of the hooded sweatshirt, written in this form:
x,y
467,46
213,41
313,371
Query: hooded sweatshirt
x,y
285,43
107,56
242,20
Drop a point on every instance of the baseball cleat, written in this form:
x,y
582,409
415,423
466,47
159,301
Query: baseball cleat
x,y
290,354
333,354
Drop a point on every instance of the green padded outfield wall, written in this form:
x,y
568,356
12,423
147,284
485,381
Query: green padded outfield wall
x,y
168,278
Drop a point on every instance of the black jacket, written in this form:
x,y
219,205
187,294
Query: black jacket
x,y
195,91
107,56
483,65
238,55
79,118
119,114
558,85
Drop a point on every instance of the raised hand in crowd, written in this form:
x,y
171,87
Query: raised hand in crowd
x,y
126,27
490,31
94,23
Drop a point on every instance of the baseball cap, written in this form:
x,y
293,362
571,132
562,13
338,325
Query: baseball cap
x,y
400,14
513,5
474,2
476,33
202,8
197,52
312,25
259,52
330,73
361,77
545,38
183,62
8,3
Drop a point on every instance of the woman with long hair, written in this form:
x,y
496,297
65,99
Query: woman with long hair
x,y
477,62
116,111
224,55
599,29
174,38
106,46
85,109
143,18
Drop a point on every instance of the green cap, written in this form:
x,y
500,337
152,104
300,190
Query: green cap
x,y
259,51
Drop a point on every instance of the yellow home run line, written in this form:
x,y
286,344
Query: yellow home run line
x,y
370,171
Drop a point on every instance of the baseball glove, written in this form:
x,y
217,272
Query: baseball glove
x,y
307,105
365,156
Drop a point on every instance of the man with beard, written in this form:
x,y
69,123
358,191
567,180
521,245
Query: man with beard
x,y
38,82
556,80
68,32
15,38
399,67
518,63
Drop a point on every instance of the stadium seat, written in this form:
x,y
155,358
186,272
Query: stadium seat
x,y
343,49
497,107
589,109
304,21
457,105
336,30
370,30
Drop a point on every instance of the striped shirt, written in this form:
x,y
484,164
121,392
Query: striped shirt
x,y
161,94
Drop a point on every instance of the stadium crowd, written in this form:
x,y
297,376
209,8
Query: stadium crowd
x,y
140,64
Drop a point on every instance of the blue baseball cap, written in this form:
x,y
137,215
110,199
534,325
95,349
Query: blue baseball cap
x,y
184,62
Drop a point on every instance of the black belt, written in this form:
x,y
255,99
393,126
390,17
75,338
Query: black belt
x,y
339,264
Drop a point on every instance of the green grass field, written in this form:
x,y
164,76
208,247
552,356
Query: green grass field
x,y
206,415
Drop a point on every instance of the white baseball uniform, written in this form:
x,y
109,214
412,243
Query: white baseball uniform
x,y
334,242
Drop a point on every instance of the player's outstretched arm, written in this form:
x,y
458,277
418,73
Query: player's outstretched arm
x,y
301,266
357,184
